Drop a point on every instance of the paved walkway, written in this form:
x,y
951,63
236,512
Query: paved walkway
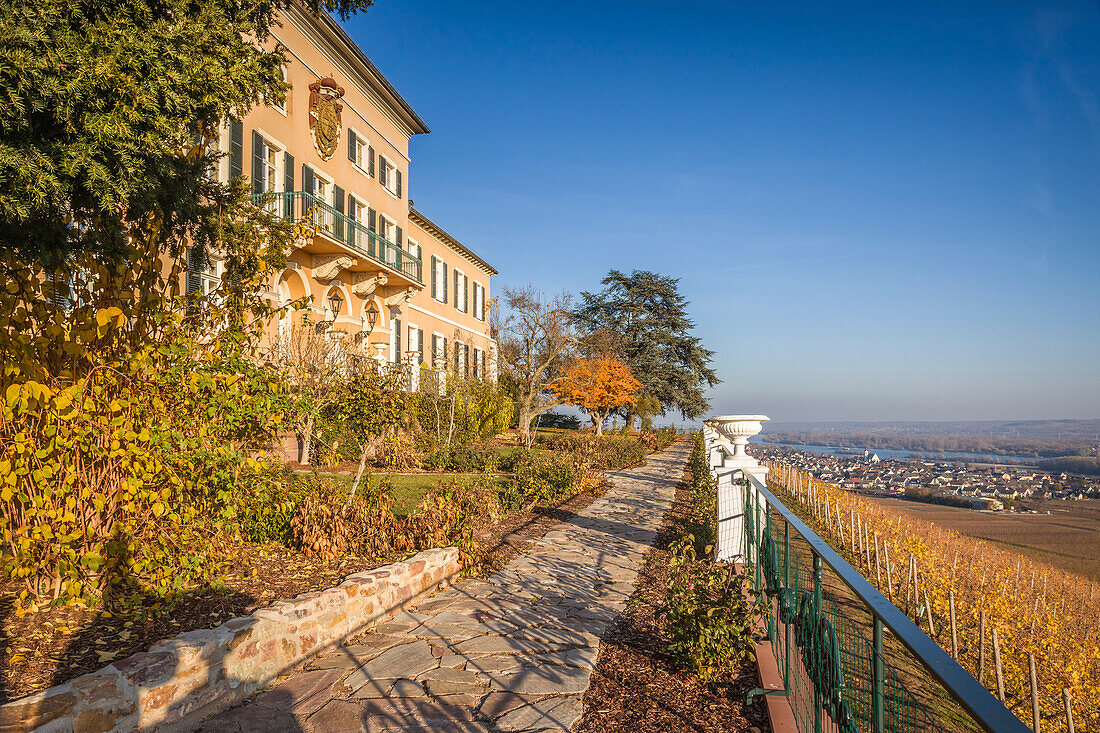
x,y
513,652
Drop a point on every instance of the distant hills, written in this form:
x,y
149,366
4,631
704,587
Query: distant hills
x,y
1084,430
1028,438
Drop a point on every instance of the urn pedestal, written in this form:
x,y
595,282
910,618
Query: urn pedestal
x,y
735,431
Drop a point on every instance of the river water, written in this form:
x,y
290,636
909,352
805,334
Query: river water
x,y
900,455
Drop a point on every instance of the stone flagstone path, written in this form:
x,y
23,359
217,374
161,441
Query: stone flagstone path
x,y
513,652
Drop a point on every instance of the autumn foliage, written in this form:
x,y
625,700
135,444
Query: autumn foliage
x,y
598,385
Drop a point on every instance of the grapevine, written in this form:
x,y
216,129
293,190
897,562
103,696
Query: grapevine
x,y
926,570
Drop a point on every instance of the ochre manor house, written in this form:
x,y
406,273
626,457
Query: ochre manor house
x,y
399,285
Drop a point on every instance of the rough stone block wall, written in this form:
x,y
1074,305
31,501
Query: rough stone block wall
x,y
179,681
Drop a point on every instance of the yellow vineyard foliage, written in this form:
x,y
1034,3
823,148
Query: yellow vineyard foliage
x,y
926,569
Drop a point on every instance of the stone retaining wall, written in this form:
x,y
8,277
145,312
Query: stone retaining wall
x,y
179,681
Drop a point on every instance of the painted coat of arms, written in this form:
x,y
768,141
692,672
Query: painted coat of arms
x,y
324,115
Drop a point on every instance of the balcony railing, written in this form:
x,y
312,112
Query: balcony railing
x,y
341,228
829,645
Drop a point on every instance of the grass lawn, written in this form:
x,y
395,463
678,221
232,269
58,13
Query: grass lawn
x,y
408,488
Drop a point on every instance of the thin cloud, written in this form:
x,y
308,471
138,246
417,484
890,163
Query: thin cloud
x,y
1085,99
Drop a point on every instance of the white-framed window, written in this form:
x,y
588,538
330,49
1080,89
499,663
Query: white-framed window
x,y
479,300
204,273
267,167
461,292
391,178
360,152
439,350
459,359
221,145
357,151
413,248
286,100
322,188
358,209
439,279
477,363
389,175
386,227
271,159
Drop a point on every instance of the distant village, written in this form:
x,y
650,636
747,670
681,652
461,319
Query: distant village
x,y
976,486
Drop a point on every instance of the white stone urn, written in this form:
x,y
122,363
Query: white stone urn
x,y
737,429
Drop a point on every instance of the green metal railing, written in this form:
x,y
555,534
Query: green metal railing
x,y
835,673
342,228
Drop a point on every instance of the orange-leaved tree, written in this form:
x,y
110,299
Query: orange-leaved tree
x,y
598,385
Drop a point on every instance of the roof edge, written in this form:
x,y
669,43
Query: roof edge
x,y
439,232
352,53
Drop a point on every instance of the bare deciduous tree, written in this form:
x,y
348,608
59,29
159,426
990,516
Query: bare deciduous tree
x,y
536,340
314,362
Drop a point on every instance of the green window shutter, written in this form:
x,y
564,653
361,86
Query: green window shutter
x,y
196,256
370,161
338,200
354,237
398,239
236,149
372,220
457,301
465,294
483,372
257,163
398,184
396,341
444,351
482,289
351,145
420,345
445,282
435,281
382,170
307,184
288,185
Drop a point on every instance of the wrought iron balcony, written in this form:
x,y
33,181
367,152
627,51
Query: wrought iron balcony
x,y
343,229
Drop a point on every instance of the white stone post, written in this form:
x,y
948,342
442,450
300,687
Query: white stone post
x,y
711,444
735,431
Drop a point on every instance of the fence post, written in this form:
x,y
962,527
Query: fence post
x,y
878,563
997,666
767,537
786,586
928,607
954,628
1069,710
1034,693
878,676
817,610
755,533
889,574
981,649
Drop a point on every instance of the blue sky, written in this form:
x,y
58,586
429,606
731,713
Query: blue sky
x,y
878,211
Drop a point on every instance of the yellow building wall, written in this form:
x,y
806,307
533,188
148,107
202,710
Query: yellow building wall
x,y
371,109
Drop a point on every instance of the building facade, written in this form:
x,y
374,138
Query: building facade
x,y
392,283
